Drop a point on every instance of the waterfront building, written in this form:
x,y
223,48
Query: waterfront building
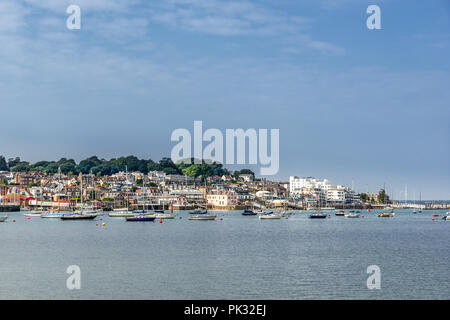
x,y
222,198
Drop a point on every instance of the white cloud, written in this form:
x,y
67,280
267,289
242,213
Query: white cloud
x,y
226,18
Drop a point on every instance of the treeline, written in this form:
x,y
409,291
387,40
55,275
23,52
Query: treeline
x,y
102,167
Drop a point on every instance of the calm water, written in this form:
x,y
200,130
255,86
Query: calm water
x,y
236,258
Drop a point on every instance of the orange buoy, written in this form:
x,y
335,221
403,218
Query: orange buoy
x,y
14,220
221,218
181,217
160,220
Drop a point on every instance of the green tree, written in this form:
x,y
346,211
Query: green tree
x,y
382,196
363,197
3,164
13,162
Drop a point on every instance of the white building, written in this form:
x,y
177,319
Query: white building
x,y
222,198
322,191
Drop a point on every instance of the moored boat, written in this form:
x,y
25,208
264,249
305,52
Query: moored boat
x,y
78,216
384,215
352,215
199,212
141,218
3,219
164,215
121,214
340,213
33,214
317,215
202,216
249,213
270,215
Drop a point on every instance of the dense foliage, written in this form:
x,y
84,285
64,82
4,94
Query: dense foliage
x,y
107,167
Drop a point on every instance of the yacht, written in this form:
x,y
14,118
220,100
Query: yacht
x,y
121,214
33,214
353,214
79,216
270,215
141,217
318,215
202,216
161,214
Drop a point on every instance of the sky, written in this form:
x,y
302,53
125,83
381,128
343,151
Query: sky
x,y
370,107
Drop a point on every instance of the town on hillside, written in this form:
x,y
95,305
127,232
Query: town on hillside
x,y
47,185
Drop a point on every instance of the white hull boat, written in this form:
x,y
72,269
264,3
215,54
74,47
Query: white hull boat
x,y
270,215
121,214
3,219
351,215
34,214
201,217
165,215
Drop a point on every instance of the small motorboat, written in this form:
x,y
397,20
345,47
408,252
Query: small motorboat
x,y
249,213
384,215
318,215
352,215
33,214
3,219
446,218
201,216
340,213
199,212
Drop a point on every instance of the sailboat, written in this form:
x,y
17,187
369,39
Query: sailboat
x,y
318,214
161,214
250,212
55,213
122,212
351,214
270,215
141,216
388,211
81,214
202,214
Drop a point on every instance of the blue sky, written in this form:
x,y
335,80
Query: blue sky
x,y
371,106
